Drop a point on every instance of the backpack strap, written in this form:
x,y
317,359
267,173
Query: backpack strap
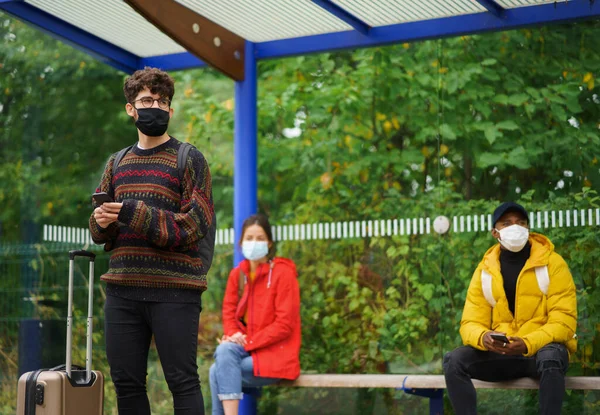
x,y
119,158
486,287
206,245
541,273
543,278
182,156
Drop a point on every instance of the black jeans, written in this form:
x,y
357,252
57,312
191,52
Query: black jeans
x,y
465,363
129,326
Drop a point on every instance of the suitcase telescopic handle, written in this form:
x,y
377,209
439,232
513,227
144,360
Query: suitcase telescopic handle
x,y
88,350
90,255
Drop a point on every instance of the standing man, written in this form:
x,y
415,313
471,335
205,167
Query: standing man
x,y
160,230
521,289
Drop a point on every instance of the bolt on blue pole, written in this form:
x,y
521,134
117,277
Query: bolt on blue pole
x,y
245,165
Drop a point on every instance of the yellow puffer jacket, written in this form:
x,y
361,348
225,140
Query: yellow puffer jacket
x,y
538,319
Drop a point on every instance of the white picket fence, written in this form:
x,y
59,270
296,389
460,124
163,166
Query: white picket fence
x,y
366,228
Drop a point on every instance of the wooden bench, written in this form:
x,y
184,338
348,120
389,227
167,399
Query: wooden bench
x,y
430,386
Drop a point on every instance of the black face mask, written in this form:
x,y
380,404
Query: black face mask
x,y
152,121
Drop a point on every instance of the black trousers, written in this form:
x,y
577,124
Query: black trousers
x,y
465,363
129,327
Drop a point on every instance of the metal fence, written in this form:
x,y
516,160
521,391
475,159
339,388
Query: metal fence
x,y
33,292
369,228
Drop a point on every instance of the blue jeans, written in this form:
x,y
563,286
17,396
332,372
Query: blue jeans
x,y
465,363
231,371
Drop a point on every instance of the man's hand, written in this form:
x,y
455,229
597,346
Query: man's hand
x,y
107,213
491,344
515,347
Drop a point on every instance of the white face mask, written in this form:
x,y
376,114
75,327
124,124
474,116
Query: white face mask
x,y
254,250
513,237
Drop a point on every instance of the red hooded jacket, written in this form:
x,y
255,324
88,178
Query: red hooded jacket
x,y
272,331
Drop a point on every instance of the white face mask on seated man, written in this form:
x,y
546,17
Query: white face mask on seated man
x,y
513,237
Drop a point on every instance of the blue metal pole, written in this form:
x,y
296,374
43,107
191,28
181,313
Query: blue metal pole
x,y
245,166
436,397
249,404
436,403
245,183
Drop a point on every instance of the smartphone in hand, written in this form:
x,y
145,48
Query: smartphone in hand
x,y
101,197
500,338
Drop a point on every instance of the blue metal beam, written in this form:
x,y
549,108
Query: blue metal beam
x,y
515,18
173,62
245,180
344,15
492,7
98,48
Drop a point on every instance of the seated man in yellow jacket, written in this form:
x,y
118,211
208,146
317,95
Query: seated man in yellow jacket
x,y
524,290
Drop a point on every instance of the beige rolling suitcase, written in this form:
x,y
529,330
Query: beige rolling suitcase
x,y
66,389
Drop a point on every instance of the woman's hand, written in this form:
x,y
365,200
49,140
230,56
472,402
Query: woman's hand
x,y
237,338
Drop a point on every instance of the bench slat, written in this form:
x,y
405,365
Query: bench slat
x,y
346,381
424,382
438,382
583,382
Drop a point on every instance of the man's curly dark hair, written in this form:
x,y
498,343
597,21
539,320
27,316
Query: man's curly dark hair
x,y
157,81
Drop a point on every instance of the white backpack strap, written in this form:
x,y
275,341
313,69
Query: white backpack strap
x,y
486,286
543,278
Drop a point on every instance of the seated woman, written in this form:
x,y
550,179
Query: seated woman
x,y
261,321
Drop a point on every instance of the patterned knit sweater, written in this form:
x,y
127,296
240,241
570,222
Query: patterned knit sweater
x,y
155,245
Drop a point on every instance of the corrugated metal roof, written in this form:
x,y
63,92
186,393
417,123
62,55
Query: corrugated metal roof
x,y
264,20
113,21
115,33
386,12
254,20
519,3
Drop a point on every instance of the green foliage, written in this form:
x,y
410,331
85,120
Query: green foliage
x,y
469,111
58,128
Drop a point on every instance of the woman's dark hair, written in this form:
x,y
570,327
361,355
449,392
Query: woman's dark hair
x,y
157,81
262,221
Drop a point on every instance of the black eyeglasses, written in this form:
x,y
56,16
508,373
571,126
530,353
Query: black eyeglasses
x,y
148,102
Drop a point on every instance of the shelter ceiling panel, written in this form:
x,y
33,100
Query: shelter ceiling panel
x,y
510,4
387,12
264,20
113,21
